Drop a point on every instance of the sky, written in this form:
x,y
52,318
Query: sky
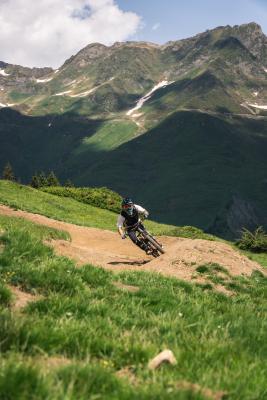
x,y
165,20
47,32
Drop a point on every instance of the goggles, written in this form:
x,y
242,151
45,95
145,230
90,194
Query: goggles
x,y
126,206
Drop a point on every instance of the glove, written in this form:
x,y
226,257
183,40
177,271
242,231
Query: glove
x,y
146,214
123,236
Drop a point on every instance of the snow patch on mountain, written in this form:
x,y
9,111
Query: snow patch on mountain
x,y
145,98
257,106
255,94
62,93
6,105
71,83
3,73
44,80
84,94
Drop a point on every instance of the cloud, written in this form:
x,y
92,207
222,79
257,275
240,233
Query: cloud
x,y
47,32
155,26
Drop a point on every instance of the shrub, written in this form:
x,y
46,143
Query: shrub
x,y
255,241
98,197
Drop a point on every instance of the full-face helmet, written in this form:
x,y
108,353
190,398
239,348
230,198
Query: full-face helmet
x,y
127,205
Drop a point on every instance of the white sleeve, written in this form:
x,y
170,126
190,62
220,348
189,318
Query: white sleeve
x,y
141,209
120,221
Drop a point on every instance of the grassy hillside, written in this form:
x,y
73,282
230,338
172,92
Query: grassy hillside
x,y
109,136
85,338
70,210
190,168
45,143
64,209
39,231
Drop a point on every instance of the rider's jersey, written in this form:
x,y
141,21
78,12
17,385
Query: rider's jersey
x,y
125,220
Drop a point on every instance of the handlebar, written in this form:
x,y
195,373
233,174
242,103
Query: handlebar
x,y
140,219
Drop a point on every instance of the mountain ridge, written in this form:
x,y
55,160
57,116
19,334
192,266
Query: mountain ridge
x,y
130,65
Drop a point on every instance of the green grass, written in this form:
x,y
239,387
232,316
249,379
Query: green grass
x,y
41,231
5,295
220,342
215,274
109,136
69,210
18,97
261,258
64,209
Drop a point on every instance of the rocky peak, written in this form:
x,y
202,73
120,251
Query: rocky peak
x,y
135,44
249,35
87,54
250,27
93,50
253,38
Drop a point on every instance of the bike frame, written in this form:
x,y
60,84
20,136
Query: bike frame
x,y
146,236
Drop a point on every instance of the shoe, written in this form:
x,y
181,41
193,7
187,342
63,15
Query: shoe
x,y
149,252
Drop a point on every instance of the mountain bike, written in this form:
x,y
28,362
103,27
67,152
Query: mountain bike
x,y
154,247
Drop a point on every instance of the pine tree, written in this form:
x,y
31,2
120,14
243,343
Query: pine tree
x,y
35,181
43,179
8,173
68,183
52,180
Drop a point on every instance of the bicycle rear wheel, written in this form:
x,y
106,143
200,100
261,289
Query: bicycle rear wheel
x,y
154,242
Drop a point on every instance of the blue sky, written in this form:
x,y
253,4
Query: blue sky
x,y
165,20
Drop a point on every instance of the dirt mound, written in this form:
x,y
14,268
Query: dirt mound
x,y
185,255
106,249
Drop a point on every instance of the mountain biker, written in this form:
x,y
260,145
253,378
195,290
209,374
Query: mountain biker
x,y
129,217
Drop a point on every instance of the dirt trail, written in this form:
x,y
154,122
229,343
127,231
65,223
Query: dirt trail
x,y
106,249
21,299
